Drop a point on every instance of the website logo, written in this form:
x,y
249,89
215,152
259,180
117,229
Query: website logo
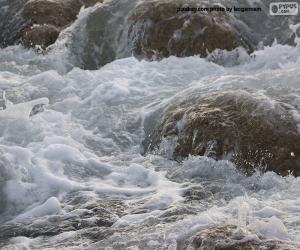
x,y
284,8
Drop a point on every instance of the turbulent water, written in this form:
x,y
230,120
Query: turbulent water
x,y
71,171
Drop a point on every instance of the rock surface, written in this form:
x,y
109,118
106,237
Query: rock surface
x,y
42,35
147,29
58,13
229,238
38,22
236,126
159,31
51,17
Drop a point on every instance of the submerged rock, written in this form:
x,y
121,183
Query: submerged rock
x,y
84,214
159,30
237,126
228,237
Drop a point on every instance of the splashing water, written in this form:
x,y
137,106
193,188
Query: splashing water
x,y
71,172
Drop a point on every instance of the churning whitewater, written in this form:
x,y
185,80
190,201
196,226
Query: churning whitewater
x,y
72,171
81,150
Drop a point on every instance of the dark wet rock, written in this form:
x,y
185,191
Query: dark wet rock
x,y
236,126
154,29
228,237
58,13
159,31
151,29
42,35
55,12
51,17
39,22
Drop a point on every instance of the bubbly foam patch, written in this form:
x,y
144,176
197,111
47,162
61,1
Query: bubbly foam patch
x,y
87,139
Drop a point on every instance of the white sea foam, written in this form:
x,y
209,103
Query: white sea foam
x,y
88,138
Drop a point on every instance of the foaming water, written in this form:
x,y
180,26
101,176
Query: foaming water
x,y
70,142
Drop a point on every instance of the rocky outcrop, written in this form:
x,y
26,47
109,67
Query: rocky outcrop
x,y
48,18
39,22
229,238
238,126
159,30
147,29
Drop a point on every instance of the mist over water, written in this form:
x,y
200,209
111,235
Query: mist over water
x,y
72,175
